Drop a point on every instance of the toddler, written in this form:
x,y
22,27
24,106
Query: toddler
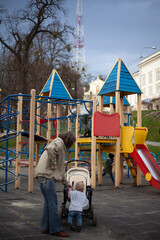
x,y
78,202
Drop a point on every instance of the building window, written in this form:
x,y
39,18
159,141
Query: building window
x,y
158,88
150,77
158,74
143,80
150,91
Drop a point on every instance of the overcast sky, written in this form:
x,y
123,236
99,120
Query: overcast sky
x,y
113,29
118,28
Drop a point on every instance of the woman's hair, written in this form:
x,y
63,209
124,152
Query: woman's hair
x,y
79,186
68,138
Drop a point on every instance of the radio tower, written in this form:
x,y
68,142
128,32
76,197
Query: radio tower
x,y
78,50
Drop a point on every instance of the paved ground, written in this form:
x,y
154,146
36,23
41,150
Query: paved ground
x,y
126,213
153,143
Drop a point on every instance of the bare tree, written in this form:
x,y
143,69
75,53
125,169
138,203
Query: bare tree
x,y
35,37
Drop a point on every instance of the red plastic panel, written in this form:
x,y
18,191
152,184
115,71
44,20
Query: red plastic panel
x,y
106,124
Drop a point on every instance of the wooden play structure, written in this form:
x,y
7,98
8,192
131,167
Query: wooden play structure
x,y
113,136
108,133
39,119
54,95
106,129
118,84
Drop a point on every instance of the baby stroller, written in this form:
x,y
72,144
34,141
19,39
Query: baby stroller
x,y
73,176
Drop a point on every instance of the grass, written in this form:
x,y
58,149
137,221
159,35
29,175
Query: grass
x,y
150,120
155,150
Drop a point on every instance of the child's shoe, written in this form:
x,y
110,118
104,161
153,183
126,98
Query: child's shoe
x,y
72,227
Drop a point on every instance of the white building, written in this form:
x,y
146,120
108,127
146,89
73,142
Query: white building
x,y
94,88
148,79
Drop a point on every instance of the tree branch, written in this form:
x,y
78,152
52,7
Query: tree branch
x,y
8,47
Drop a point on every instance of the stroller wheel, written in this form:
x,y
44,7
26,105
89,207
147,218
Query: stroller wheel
x,y
93,216
63,211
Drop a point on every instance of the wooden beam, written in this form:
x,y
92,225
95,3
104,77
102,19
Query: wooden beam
x,y
121,111
111,108
117,107
93,149
139,112
31,140
99,164
38,130
139,124
77,134
117,163
38,118
121,124
128,111
58,121
49,111
69,121
101,104
117,148
18,140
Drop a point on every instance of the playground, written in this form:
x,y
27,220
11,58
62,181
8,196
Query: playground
x,y
126,210
34,120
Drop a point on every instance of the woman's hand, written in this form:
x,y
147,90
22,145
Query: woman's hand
x,y
53,167
70,188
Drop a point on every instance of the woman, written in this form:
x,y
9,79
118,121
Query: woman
x,y
50,169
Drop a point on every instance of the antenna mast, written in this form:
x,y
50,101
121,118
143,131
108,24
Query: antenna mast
x,y
78,51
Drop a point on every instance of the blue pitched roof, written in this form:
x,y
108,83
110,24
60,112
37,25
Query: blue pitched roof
x,y
107,100
119,79
55,87
127,83
47,85
111,82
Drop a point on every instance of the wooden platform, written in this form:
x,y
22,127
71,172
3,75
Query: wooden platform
x,y
37,138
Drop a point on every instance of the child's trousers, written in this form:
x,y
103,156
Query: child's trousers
x,y
77,215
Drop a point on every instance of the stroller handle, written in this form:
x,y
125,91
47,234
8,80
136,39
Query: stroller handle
x,y
80,161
